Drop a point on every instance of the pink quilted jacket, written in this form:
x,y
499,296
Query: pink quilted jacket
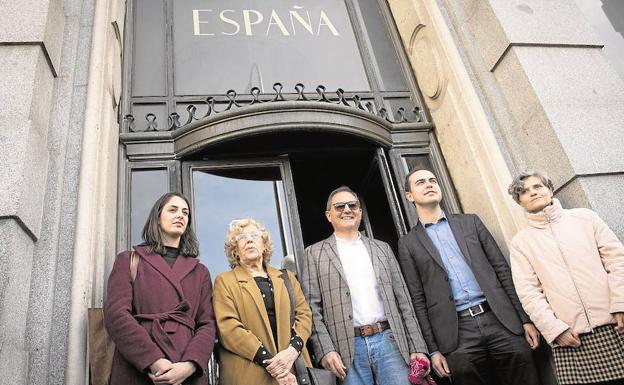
x,y
568,270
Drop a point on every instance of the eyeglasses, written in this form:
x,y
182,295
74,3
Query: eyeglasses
x,y
254,234
340,206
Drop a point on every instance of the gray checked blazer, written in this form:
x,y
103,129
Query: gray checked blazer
x,y
327,292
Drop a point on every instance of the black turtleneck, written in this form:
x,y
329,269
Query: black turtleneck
x,y
171,254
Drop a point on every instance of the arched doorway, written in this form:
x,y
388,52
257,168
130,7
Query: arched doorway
x,y
277,163
283,183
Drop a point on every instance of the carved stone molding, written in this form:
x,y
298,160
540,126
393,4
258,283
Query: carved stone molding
x,y
426,63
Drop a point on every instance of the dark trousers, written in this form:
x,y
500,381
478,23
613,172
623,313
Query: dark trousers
x,y
489,354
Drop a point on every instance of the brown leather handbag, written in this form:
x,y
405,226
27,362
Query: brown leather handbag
x,y
101,346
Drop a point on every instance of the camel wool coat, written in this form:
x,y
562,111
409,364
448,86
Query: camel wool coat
x,y
243,324
165,313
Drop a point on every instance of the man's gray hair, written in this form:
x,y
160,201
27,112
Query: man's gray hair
x,y
338,190
517,185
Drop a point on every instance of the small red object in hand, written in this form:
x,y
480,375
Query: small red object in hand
x,y
416,375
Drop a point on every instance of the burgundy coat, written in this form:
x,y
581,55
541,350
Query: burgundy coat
x,y
166,313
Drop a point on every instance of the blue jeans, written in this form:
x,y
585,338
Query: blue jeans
x,y
377,360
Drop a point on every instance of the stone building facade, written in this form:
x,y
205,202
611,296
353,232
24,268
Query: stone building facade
x,y
503,85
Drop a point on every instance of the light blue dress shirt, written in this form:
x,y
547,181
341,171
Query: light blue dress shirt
x,y
464,285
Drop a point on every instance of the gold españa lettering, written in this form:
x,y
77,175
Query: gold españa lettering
x,y
229,21
252,22
294,15
197,22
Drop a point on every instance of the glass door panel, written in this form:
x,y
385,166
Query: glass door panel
x,y
381,214
404,160
222,192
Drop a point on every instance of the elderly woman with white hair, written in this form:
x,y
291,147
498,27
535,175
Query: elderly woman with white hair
x,y
568,270
253,311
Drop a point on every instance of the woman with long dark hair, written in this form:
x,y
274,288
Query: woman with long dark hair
x,y
159,312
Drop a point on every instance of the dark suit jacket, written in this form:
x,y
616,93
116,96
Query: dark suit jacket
x,y
429,286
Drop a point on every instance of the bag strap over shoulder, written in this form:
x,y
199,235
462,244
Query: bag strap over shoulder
x,y
134,264
101,345
300,368
291,294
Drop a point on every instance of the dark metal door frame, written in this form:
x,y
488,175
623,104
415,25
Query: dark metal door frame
x,y
286,172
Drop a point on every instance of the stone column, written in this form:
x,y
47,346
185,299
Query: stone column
x,y
30,48
465,127
96,220
559,101
517,84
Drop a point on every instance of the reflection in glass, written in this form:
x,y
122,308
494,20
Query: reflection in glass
x,y
417,161
148,75
146,187
221,195
385,59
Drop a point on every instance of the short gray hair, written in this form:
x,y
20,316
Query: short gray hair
x,y
517,185
339,190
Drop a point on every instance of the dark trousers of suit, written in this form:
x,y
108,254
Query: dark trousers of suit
x,y
489,354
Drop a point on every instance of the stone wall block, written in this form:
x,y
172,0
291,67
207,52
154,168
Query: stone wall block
x,y
567,123
600,193
497,24
23,175
41,105
16,251
583,98
557,22
463,129
34,22
26,86
19,69
489,34
533,129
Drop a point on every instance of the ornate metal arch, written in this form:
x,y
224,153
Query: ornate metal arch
x,y
260,117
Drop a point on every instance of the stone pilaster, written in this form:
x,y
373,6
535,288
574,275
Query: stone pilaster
x,y
559,102
465,127
513,85
30,42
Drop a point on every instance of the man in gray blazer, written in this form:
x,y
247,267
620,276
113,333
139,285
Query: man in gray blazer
x,y
463,294
363,326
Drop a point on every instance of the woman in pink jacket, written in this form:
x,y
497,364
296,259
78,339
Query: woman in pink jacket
x,y
568,270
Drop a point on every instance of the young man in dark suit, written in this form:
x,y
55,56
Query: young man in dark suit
x,y
463,294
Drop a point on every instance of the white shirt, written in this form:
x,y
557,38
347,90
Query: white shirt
x,y
366,300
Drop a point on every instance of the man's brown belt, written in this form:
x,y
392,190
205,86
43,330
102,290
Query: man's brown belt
x,y
369,330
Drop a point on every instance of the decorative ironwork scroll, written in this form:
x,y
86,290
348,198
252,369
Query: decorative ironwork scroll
x,y
175,121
